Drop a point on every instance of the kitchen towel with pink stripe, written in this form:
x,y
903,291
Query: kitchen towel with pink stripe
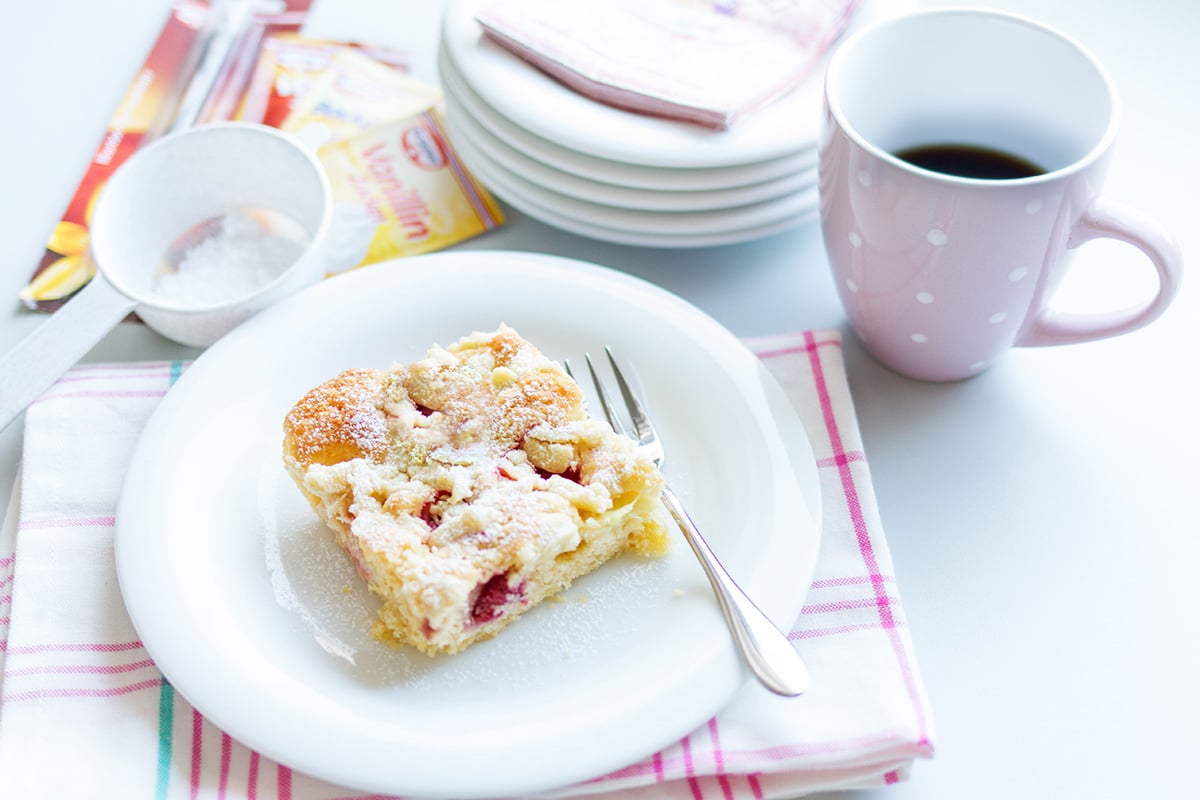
x,y
84,712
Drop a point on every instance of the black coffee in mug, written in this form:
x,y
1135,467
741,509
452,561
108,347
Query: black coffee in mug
x,y
970,161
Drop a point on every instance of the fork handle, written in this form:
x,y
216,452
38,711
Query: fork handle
x,y
771,657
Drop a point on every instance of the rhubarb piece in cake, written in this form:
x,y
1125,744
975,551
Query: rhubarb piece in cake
x,y
469,486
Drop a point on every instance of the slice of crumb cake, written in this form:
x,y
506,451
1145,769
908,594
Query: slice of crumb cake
x,y
469,486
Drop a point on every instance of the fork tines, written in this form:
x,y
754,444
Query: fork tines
x,y
606,404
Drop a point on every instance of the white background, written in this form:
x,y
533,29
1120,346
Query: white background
x,y
1040,516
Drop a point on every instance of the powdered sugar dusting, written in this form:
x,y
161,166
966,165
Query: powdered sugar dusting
x,y
343,412
368,429
481,466
229,257
571,633
310,576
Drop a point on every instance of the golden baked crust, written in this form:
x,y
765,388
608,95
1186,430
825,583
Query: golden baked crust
x,y
469,486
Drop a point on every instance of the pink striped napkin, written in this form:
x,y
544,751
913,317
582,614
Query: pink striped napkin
x,y
83,710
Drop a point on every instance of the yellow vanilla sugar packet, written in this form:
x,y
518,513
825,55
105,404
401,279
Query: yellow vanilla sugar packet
x,y
289,64
354,94
399,190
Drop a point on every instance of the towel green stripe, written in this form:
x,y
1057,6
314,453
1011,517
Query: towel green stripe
x,y
166,720
166,695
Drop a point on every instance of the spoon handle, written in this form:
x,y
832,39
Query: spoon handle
x,y
53,347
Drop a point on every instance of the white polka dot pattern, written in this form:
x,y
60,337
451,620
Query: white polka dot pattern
x,y
940,279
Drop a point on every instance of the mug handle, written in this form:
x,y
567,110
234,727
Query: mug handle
x,y
1106,219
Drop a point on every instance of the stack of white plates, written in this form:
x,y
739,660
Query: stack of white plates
x,y
601,172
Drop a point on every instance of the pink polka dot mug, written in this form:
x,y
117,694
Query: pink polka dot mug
x,y
961,158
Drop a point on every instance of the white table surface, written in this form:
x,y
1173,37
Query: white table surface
x,y
1040,515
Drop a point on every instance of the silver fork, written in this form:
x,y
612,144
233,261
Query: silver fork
x,y
766,650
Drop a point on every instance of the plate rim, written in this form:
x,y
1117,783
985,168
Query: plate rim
x,y
505,185
670,222
557,219
655,176
462,125
185,676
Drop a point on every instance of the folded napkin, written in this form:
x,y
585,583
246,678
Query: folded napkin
x,y
704,62
84,712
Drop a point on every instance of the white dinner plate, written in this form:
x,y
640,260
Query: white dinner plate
x,y
637,176
797,205
554,218
540,206
551,110
463,125
256,617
